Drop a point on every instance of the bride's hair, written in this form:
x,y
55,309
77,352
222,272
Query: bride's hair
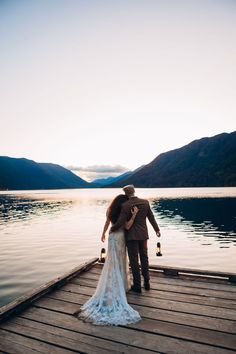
x,y
115,207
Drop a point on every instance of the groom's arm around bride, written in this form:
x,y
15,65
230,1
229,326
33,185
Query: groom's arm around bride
x,y
139,229
137,235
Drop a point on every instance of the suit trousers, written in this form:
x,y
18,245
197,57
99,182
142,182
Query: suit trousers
x,y
138,249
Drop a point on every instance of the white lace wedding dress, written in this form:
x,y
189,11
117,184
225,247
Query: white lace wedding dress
x,y
108,305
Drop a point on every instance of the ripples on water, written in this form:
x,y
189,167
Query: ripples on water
x,y
15,209
212,218
46,233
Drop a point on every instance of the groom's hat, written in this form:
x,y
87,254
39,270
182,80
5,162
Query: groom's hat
x,y
129,189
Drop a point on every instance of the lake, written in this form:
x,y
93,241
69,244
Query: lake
x,y
46,233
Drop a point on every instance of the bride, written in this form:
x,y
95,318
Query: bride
x,y
108,305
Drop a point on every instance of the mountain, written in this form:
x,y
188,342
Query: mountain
x,y
207,162
103,182
20,173
109,180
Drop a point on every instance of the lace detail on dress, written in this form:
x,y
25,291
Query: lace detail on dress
x,y
109,306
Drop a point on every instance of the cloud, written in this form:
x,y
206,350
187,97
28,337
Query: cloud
x,y
93,172
100,168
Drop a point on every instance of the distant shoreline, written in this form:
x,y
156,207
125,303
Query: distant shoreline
x,y
105,187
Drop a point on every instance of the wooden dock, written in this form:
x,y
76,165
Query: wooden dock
x,y
186,311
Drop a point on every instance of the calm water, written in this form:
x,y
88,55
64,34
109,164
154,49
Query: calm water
x,y
46,233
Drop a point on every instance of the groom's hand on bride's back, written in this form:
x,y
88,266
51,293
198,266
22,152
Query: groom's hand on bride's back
x,y
158,233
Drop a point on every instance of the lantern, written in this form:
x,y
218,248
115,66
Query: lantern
x,y
158,250
103,255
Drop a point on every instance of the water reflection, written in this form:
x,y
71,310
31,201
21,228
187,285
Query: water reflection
x,y
19,208
46,233
207,217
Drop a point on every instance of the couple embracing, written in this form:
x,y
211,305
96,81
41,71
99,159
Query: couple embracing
x,y
127,214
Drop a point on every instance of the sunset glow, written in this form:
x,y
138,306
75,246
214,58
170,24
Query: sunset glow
x,y
114,83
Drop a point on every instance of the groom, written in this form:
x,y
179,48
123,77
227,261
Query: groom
x,y
137,236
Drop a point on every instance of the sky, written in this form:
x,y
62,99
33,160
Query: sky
x,y
106,86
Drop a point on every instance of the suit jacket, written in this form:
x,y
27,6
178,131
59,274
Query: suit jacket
x,y
138,230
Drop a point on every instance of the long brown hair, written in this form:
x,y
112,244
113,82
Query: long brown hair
x,y
115,207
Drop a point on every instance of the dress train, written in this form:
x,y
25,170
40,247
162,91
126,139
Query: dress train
x,y
108,305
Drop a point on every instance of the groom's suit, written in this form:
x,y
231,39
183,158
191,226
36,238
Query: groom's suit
x,y
137,236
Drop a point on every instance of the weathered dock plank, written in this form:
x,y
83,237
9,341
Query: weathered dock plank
x,y
9,345
126,335
193,312
156,292
61,343
199,309
222,325
155,325
184,290
185,280
77,337
72,339
206,273
18,340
